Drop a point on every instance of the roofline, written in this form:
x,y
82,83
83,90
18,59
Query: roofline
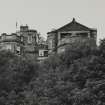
x,y
32,30
68,24
8,34
52,32
93,29
77,23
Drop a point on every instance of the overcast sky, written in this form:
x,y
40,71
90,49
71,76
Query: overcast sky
x,y
43,15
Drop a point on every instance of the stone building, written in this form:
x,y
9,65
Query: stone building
x,y
28,43
70,33
24,42
29,37
11,42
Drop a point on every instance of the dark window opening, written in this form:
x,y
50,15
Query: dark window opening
x,y
82,34
45,53
41,55
92,35
64,35
18,52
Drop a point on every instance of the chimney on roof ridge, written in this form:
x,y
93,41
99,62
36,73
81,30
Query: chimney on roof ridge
x,y
73,19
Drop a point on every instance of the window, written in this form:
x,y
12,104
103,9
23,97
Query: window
x,y
63,50
3,37
41,53
82,34
45,53
22,39
9,37
64,35
8,47
18,50
29,39
50,44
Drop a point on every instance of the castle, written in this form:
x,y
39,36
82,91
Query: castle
x,y
26,42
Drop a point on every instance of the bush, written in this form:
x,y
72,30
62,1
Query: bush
x,y
76,77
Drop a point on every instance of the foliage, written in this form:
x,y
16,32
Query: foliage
x,y
76,77
15,75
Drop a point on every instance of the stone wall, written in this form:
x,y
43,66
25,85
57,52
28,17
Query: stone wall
x,y
89,41
52,42
56,44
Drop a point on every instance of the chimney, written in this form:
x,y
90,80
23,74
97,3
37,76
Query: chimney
x,y
73,20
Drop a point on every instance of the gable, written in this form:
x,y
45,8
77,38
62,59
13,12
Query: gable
x,y
73,26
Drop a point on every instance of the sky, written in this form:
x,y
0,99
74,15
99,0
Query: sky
x,y
45,15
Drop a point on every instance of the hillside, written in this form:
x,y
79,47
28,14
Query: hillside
x,y
76,77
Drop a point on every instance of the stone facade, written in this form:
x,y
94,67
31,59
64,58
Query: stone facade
x,y
11,42
24,42
52,42
71,33
29,38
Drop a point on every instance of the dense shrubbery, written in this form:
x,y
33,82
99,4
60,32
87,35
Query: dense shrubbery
x,y
76,77
15,75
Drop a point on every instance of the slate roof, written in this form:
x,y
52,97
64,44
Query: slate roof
x,y
73,26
